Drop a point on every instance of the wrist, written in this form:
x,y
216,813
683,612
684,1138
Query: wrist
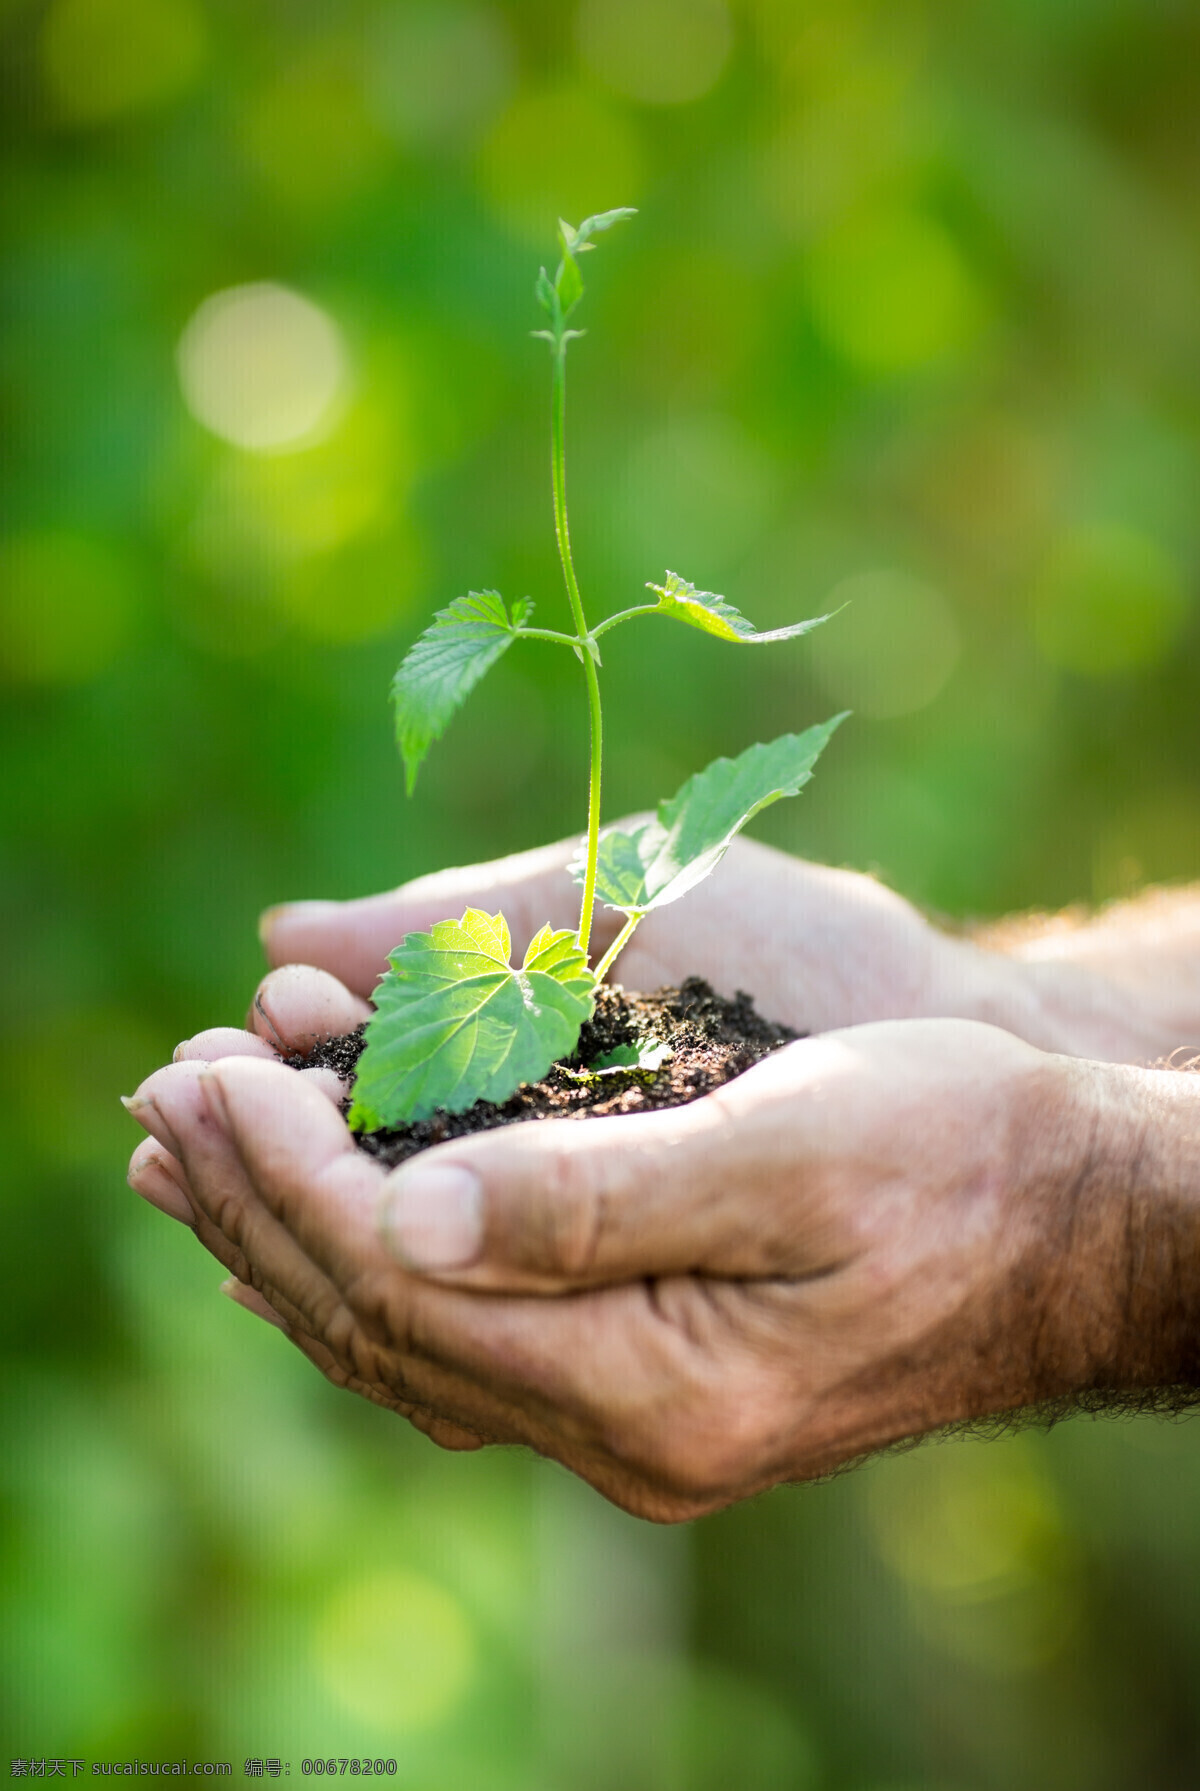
x,y
1122,1244
1060,1007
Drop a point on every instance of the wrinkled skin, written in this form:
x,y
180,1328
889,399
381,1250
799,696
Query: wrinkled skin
x,y
873,1233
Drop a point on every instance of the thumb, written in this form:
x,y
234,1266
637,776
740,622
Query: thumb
x,y
352,939
563,1204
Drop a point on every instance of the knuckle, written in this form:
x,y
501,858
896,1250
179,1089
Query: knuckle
x,y
337,1376
341,1336
228,1214
218,1246
385,1317
363,1358
222,1230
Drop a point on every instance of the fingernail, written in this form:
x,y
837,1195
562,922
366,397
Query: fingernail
x,y
432,1218
267,1021
159,1187
293,911
144,1109
250,1300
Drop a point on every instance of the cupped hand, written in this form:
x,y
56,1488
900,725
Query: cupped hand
x,y
818,948
293,1008
868,1236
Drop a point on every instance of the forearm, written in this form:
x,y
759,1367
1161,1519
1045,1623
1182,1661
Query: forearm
x,y
1121,987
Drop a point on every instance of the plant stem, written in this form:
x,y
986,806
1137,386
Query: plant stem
x,y
549,634
617,947
558,475
625,615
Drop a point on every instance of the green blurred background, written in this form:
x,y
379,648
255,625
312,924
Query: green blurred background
x,y
909,316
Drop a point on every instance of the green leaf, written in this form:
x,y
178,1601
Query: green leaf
x,y
559,297
704,609
649,1055
568,283
645,1059
661,860
573,240
544,292
456,1023
441,669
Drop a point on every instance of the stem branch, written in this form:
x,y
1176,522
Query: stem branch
x,y
549,634
617,947
625,615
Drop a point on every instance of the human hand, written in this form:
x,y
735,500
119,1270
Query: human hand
x,y
819,948
293,1008
867,1236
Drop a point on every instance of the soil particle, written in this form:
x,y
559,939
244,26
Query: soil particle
x,y
711,1041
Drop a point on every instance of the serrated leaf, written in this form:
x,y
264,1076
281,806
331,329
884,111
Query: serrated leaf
x,y
442,668
704,609
456,1023
653,864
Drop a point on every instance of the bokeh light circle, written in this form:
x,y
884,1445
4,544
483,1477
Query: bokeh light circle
x,y
396,1650
263,367
892,648
982,1551
437,70
662,52
892,292
307,133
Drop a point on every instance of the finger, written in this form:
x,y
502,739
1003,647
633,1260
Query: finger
x,y
295,1007
158,1177
440,1430
289,1114
144,1105
715,1188
435,1425
525,1370
220,1041
170,1104
289,1135
352,939
250,1300
173,1103
444,1434
326,1082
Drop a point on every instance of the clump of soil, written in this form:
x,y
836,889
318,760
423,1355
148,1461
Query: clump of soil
x,y
711,1041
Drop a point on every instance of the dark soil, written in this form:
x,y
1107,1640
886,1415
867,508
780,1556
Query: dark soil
x,y
711,1041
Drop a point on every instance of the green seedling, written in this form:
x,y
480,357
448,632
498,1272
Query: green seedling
x,y
639,1061
455,1020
